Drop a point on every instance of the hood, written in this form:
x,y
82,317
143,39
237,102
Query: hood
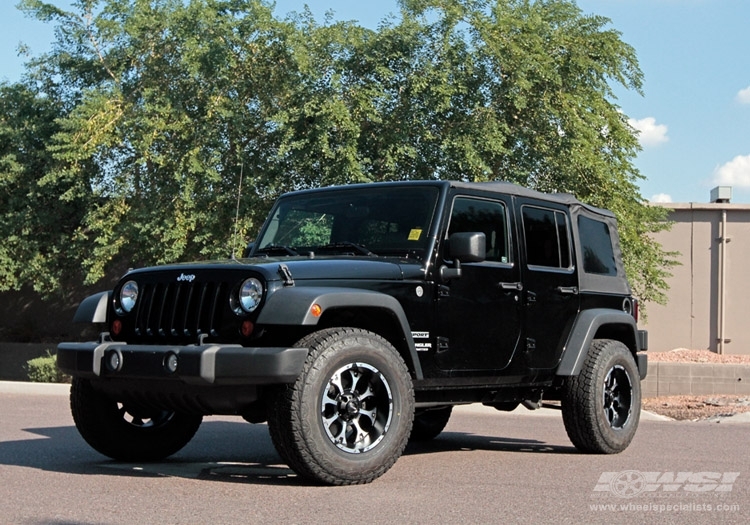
x,y
303,268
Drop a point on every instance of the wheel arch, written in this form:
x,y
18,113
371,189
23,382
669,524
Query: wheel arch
x,y
366,309
598,323
93,309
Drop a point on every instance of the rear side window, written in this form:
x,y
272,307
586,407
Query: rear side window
x,y
596,246
547,238
489,217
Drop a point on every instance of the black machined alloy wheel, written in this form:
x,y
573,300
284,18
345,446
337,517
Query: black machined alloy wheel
x,y
125,433
357,407
347,418
618,397
602,405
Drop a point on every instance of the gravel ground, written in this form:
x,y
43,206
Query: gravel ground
x,y
694,408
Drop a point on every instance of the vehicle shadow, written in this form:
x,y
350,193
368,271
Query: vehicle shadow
x,y
455,441
224,451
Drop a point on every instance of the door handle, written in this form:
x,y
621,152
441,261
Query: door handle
x,y
511,286
568,290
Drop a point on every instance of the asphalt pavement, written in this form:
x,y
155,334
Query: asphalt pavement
x,y
486,467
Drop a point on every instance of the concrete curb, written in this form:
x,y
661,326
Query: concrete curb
x,y
679,379
63,389
41,389
56,389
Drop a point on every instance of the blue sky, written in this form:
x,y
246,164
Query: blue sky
x,y
694,115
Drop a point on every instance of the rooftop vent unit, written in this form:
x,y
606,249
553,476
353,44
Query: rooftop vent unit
x,y
721,194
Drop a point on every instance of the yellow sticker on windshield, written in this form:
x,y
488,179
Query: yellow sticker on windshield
x,y
415,234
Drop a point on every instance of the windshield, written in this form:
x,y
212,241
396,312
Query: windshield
x,y
391,220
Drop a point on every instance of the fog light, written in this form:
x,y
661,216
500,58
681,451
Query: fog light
x,y
170,362
113,360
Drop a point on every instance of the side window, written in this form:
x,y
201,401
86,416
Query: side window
x,y
596,245
547,238
489,217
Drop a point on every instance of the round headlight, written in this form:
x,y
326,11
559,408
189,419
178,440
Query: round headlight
x,y
128,296
250,294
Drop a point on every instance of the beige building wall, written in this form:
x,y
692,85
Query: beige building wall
x,y
710,292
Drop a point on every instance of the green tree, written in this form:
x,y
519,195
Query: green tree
x,y
172,103
513,90
156,108
37,213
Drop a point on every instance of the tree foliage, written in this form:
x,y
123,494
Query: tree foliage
x,y
132,138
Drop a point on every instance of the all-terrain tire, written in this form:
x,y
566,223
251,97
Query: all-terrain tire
x,y
124,434
601,406
347,418
429,423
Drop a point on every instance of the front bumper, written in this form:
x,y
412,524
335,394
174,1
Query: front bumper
x,y
204,364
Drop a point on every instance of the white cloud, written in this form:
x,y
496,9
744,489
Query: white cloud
x,y
743,95
649,132
736,172
661,197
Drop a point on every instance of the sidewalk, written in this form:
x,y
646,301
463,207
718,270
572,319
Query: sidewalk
x,y
55,389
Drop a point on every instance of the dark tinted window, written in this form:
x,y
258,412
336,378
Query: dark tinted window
x,y
596,245
477,215
547,239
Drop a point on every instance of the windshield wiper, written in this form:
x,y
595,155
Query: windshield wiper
x,y
275,248
347,247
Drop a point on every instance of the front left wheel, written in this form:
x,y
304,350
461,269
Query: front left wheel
x,y
347,418
128,433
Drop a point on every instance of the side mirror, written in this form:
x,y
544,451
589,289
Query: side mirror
x,y
464,247
468,246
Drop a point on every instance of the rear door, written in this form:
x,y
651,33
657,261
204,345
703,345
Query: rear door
x,y
551,294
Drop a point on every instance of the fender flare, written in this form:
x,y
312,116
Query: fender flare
x,y
291,306
93,309
584,330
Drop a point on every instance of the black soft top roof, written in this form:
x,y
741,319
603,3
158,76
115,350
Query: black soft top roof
x,y
617,284
521,191
507,188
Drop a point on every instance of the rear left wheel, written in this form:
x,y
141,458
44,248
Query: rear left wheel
x,y
430,422
602,405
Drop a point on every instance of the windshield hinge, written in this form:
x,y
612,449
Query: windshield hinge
x,y
286,275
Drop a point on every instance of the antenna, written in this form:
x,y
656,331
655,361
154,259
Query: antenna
x,y
237,210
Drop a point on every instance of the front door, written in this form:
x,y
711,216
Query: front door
x,y
480,312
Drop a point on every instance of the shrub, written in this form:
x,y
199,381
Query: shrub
x,y
44,370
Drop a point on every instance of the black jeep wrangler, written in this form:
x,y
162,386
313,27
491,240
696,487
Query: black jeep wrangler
x,y
360,317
